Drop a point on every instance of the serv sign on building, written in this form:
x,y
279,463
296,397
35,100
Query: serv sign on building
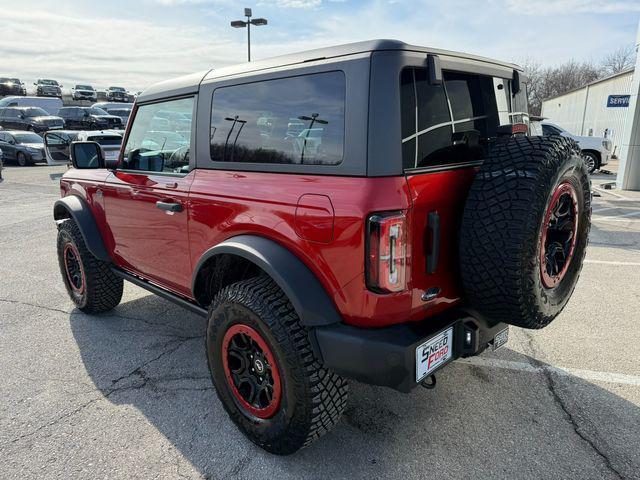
x,y
616,101
598,109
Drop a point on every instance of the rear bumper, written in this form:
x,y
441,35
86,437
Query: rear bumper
x,y
387,356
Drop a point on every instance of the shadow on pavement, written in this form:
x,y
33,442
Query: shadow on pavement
x,y
479,422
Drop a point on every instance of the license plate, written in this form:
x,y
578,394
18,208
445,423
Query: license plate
x,y
434,353
501,338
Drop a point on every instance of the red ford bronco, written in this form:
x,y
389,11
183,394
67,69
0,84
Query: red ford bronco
x,y
370,211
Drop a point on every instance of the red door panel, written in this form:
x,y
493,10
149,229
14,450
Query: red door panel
x,y
150,241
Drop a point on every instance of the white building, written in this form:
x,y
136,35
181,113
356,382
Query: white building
x,y
598,109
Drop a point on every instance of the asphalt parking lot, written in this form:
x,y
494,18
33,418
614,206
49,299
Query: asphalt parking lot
x,y
128,395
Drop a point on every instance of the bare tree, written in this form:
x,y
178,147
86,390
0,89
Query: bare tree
x,y
619,60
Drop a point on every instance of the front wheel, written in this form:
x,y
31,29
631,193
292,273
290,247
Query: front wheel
x,y
264,369
22,159
591,161
90,282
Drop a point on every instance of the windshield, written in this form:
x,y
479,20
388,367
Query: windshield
x,y
48,82
121,112
84,87
15,80
116,89
28,138
34,112
3,80
96,111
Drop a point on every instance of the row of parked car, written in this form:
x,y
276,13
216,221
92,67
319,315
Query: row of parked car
x,y
46,87
27,148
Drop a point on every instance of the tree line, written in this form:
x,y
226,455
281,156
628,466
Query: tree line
x,y
546,82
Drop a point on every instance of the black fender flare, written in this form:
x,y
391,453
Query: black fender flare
x,y
77,208
305,292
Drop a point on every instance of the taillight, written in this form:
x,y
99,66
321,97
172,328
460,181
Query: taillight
x,y
386,252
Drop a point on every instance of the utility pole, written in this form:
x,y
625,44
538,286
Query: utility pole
x,y
258,22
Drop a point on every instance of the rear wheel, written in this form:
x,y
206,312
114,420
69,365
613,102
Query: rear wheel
x,y
91,284
525,230
264,369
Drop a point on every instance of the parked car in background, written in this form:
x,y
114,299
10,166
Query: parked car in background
x,y
122,113
88,118
48,88
84,92
117,94
24,148
12,86
595,150
50,105
58,143
29,118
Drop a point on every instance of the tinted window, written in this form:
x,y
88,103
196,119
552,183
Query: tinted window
x,y
34,112
550,130
297,120
155,144
456,119
28,138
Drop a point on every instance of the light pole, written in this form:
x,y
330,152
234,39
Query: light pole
x,y
258,22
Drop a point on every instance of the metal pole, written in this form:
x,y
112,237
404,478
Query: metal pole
x,y
248,39
629,169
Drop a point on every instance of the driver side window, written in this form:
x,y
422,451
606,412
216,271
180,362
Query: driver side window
x,y
160,137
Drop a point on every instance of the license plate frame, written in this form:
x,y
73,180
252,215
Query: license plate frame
x,y
434,353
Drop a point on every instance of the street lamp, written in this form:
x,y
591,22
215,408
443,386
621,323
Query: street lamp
x,y
258,22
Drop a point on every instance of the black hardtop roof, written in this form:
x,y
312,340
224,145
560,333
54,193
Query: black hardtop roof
x,y
190,82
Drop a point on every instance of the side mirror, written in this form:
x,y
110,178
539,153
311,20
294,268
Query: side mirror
x,y
87,155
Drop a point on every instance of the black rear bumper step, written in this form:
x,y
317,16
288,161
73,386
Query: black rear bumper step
x,y
387,356
161,292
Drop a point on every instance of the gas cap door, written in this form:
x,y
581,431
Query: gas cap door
x,y
314,218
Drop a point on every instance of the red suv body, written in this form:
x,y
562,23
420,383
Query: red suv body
x,y
342,177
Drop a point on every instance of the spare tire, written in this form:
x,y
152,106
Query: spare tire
x,y
525,230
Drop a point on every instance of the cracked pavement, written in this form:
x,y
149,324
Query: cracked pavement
x,y
127,394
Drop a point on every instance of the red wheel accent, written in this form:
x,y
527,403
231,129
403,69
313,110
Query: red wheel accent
x,y
251,371
558,239
73,268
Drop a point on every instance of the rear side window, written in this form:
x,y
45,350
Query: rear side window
x,y
455,120
295,120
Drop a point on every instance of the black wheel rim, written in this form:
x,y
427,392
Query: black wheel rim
x,y
73,268
559,233
251,371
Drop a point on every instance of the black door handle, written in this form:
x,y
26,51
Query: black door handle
x,y
433,224
169,206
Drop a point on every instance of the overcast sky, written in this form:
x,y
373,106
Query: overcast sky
x,y
134,43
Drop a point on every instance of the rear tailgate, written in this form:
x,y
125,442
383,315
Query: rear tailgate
x,y
437,204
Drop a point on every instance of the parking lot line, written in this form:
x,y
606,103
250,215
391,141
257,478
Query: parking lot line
x,y
613,262
607,377
620,217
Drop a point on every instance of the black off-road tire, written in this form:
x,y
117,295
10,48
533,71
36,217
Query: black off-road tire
x,y
502,229
101,288
313,397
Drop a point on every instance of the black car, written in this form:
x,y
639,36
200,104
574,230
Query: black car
x,y
24,148
29,118
117,94
12,86
123,113
48,88
88,118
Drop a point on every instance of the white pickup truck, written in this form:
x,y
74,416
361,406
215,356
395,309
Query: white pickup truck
x,y
595,150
